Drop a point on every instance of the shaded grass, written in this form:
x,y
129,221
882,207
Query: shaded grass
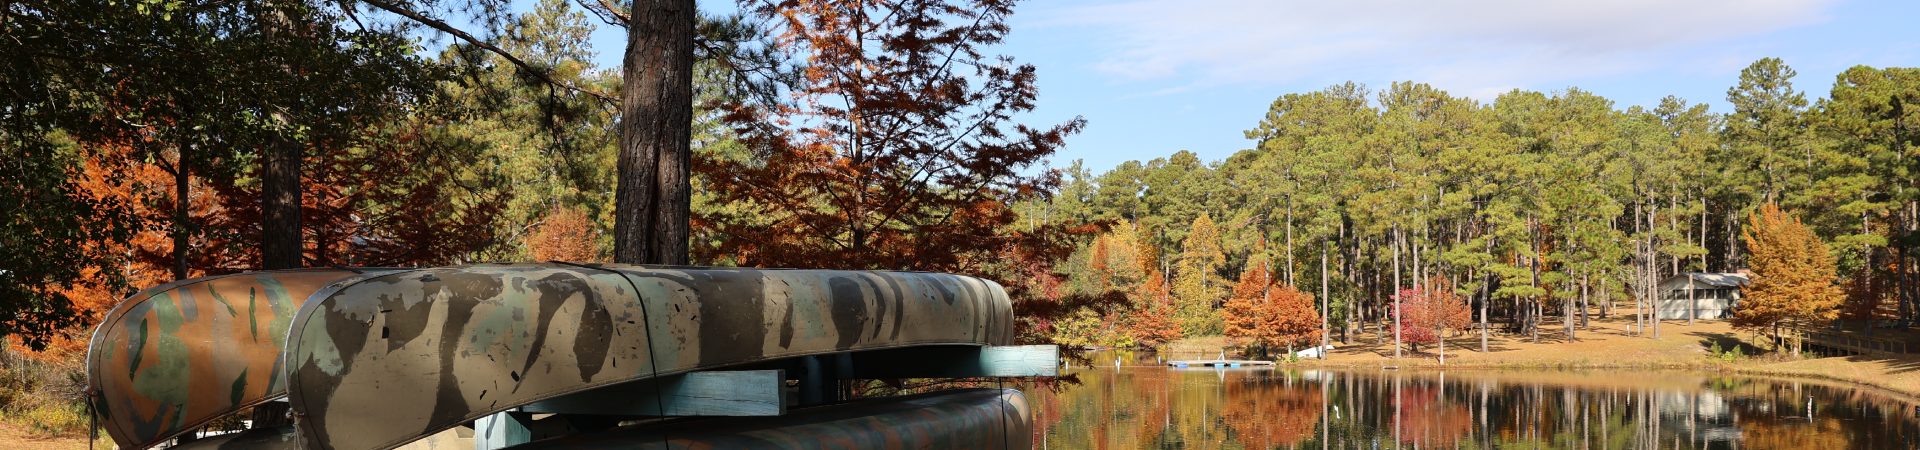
x,y
44,396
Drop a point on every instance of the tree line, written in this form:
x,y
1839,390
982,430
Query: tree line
x,y
156,140
1530,206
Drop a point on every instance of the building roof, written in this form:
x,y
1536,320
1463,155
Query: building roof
x,y
1716,280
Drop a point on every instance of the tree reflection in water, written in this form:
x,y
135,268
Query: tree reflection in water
x,y
1147,406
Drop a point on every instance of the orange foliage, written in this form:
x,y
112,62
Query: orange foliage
x,y
1243,310
392,203
895,153
1152,322
565,234
1289,318
1793,275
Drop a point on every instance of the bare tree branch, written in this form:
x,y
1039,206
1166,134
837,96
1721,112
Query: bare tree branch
x,y
608,12
484,45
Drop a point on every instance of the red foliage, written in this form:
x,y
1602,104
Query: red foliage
x,y
894,154
1424,417
897,151
1430,312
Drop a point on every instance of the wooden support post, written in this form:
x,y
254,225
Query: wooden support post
x,y
813,381
502,430
715,393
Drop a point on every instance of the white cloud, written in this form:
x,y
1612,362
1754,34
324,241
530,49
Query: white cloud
x,y
1471,46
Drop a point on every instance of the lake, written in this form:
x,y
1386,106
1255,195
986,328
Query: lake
x,y
1142,405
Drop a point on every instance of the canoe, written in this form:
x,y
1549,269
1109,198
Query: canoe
x,y
174,357
983,419
383,360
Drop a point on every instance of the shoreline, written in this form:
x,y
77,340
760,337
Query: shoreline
x,y
1610,344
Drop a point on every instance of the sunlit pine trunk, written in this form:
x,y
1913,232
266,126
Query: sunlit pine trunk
x,y
1325,301
1290,280
1653,268
1396,293
1486,297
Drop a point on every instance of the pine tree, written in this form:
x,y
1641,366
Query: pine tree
x,y
1197,287
1793,277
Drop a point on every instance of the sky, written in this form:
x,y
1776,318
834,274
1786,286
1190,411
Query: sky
x,y
1153,77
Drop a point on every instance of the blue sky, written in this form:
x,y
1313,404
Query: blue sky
x,y
1157,76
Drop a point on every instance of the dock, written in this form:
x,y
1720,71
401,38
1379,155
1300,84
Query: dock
x,y
1218,363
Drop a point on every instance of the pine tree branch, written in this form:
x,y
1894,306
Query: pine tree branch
x,y
437,24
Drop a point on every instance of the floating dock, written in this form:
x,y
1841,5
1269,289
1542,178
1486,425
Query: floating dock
x,y
1218,363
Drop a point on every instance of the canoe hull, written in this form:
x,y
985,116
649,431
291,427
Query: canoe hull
x,y
986,419
385,360
171,358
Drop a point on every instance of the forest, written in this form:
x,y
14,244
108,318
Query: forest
x,y
1535,205
158,140
152,141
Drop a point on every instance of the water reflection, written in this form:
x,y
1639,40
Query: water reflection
x,y
1141,405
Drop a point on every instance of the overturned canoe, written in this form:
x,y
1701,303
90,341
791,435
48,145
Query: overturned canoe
x,y
174,357
384,360
984,419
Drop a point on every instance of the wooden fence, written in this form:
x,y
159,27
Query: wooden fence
x,y
1853,343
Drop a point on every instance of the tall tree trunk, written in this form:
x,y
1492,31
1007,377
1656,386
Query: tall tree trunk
x,y
1567,309
1486,297
1325,300
181,223
652,206
1653,266
1397,240
1323,247
280,227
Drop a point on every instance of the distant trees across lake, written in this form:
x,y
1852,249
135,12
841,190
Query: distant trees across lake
x,y
1532,205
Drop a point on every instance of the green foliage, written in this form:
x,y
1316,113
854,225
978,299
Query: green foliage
x,y
1536,201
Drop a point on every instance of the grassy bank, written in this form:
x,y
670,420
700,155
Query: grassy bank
x,y
1610,344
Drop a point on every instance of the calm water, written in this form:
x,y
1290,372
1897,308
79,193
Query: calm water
x,y
1147,406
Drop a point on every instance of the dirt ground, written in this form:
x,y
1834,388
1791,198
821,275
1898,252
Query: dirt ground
x,y
14,438
1611,343
1605,343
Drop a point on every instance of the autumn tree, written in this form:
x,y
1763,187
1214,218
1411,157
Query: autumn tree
x,y
1433,311
1152,323
566,234
1197,285
1793,277
1288,319
899,149
1242,313
225,92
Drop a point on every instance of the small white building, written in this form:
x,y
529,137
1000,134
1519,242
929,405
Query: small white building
x,y
1700,295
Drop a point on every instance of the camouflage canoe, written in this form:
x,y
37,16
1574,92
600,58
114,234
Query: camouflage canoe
x,y
971,419
174,357
379,359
